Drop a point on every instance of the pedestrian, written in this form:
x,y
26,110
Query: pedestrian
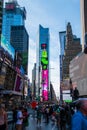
x,y
19,119
62,117
3,119
39,114
25,118
79,119
14,110
47,113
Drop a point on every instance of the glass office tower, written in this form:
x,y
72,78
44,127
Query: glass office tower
x,y
14,15
43,63
62,37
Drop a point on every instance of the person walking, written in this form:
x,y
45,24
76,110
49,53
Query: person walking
x,y
47,114
79,119
3,119
19,119
39,114
25,119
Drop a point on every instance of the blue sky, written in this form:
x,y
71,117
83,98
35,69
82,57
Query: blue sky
x,y
53,14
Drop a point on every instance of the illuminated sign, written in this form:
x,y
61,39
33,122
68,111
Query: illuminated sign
x,y
44,53
44,59
7,46
45,84
44,46
19,84
44,63
10,6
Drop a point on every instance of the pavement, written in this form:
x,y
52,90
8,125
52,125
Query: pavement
x,y
44,126
33,123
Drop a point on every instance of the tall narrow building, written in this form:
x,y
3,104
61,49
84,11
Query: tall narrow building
x,y
62,38
73,47
83,20
20,41
43,64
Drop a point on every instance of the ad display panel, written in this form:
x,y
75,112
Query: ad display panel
x,y
19,84
7,46
45,84
44,63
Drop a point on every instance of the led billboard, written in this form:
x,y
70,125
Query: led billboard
x,y
19,84
44,63
45,84
7,46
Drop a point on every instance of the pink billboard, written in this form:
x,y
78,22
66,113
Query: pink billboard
x,y
19,84
45,84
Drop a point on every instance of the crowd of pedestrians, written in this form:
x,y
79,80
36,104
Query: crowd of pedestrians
x,y
65,116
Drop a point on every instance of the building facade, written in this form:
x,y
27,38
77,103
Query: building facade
x,y
13,83
14,18
34,82
20,41
73,47
43,63
14,15
83,20
78,73
62,38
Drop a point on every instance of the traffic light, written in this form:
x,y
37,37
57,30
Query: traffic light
x,y
85,45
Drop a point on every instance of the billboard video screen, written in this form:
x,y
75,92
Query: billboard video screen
x,y
45,84
7,46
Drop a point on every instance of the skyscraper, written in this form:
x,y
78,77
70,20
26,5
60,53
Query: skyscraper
x,y
14,18
62,37
73,47
43,63
83,20
14,15
19,40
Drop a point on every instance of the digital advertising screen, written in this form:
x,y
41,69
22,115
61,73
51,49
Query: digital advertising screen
x,y
19,84
7,46
44,63
45,84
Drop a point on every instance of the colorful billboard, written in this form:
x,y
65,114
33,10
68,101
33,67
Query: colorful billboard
x,y
45,84
7,46
44,63
19,84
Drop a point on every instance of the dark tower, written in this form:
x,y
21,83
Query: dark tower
x,y
73,47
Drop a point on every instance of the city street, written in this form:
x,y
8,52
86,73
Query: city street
x,y
44,126
33,125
